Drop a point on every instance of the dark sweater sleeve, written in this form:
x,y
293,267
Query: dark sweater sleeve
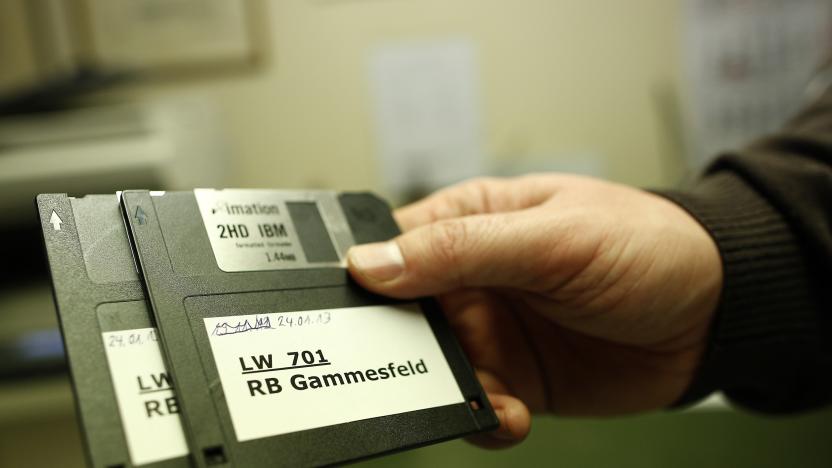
x,y
769,210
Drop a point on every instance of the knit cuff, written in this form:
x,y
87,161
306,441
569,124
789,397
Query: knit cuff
x,y
766,328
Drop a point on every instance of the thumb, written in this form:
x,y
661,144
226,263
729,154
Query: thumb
x,y
497,250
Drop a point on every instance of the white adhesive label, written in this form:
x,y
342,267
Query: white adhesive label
x,y
288,372
144,392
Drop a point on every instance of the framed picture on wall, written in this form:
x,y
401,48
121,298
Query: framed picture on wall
x,y
173,36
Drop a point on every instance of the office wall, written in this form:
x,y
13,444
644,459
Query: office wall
x,y
17,60
562,81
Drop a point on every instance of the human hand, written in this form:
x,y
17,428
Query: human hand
x,y
570,295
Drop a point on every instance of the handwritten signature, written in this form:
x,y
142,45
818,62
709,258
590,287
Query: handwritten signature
x,y
225,328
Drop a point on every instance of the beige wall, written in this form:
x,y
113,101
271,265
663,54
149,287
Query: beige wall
x,y
17,66
559,77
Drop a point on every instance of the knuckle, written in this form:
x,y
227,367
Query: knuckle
x,y
479,192
447,239
441,209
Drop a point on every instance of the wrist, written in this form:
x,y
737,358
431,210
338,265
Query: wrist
x,y
763,325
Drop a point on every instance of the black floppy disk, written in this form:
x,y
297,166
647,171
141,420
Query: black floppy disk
x,y
279,359
126,405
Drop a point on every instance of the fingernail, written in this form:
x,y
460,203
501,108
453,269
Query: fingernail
x,y
381,261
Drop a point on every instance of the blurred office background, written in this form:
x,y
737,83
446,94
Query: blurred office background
x,y
395,96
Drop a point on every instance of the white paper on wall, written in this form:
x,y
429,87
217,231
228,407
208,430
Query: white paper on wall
x,y
747,64
427,113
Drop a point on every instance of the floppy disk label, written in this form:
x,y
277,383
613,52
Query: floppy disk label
x,y
144,392
293,371
253,230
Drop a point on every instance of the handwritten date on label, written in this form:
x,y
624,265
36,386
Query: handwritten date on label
x,y
132,338
280,320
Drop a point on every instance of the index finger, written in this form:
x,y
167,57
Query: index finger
x,y
480,196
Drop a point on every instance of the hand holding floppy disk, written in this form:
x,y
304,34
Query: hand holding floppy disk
x,y
551,283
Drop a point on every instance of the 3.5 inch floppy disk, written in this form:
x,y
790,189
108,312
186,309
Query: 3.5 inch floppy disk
x,y
126,405
278,358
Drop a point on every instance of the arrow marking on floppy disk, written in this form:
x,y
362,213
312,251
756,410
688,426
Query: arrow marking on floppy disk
x,y
55,221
